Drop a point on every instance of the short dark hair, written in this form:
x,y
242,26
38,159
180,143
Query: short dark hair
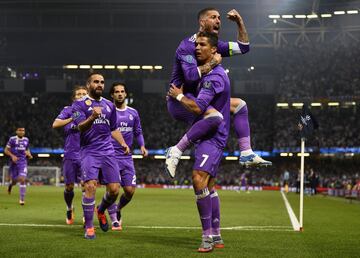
x,y
112,89
91,74
202,12
212,37
76,88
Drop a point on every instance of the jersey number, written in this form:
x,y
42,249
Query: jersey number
x,y
205,156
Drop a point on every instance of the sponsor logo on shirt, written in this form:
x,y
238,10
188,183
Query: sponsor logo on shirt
x,y
88,102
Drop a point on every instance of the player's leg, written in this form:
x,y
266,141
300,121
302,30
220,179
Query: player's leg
x,y
69,171
13,171
215,215
22,168
239,108
111,177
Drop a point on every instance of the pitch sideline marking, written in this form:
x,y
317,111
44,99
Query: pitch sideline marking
x,y
244,228
295,223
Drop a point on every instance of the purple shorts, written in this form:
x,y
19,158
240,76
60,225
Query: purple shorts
x,y
72,171
18,170
207,157
102,168
127,171
179,112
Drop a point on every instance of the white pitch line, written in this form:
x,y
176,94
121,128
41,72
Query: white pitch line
x,y
295,223
244,228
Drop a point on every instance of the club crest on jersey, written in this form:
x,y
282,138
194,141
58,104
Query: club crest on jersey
x,y
131,117
88,102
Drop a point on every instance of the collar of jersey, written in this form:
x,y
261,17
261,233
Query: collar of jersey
x,y
119,109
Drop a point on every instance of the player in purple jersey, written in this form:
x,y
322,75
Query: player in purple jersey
x,y
96,119
128,123
186,72
17,148
71,161
214,91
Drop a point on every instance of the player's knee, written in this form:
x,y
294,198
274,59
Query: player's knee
x,y
69,187
199,181
129,192
113,190
90,187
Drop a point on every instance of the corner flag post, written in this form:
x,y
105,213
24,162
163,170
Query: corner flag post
x,y
302,163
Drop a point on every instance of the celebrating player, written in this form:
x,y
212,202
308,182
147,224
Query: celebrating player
x,y
71,161
128,123
213,90
96,119
17,148
186,72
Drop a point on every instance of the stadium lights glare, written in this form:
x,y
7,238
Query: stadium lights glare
x,y
43,155
312,16
282,104
231,158
350,103
84,66
70,66
62,155
137,156
97,67
306,154
316,104
339,12
326,15
352,12
290,154
122,67
274,16
109,66
185,157
350,154
1,154
147,67
300,16
159,157
287,16
297,104
134,67
158,67
333,104
275,21
283,154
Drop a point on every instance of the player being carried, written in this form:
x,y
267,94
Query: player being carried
x,y
96,119
71,161
187,73
17,148
214,91
128,123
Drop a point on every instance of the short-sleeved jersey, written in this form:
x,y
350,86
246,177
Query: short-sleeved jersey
x,y
18,147
71,134
128,123
97,139
214,90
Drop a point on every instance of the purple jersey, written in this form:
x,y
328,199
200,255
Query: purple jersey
x,y
185,69
128,123
18,147
96,140
72,135
214,90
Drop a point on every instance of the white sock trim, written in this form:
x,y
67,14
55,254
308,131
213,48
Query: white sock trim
x,y
240,106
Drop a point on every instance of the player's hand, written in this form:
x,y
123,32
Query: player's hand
x,y
126,148
233,15
29,156
144,151
96,112
14,159
174,91
217,58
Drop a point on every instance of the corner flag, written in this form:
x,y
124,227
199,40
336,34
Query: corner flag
x,y
307,123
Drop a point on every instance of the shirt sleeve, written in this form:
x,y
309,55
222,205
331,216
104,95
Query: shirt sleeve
x,y
78,114
113,119
209,89
9,143
138,131
65,113
188,65
230,48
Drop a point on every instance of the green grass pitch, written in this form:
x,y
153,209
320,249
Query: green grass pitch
x,y
255,225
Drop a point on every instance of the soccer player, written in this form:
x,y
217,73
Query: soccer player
x,y
187,72
214,90
96,119
128,123
17,148
71,161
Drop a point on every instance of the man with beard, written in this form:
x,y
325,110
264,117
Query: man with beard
x,y
96,119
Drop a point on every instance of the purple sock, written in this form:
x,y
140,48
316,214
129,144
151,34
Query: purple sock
x,y
112,212
22,192
68,197
123,201
106,202
199,130
215,206
203,202
88,205
242,128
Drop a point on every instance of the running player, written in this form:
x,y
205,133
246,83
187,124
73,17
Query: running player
x,y
213,90
96,119
17,148
128,123
71,161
